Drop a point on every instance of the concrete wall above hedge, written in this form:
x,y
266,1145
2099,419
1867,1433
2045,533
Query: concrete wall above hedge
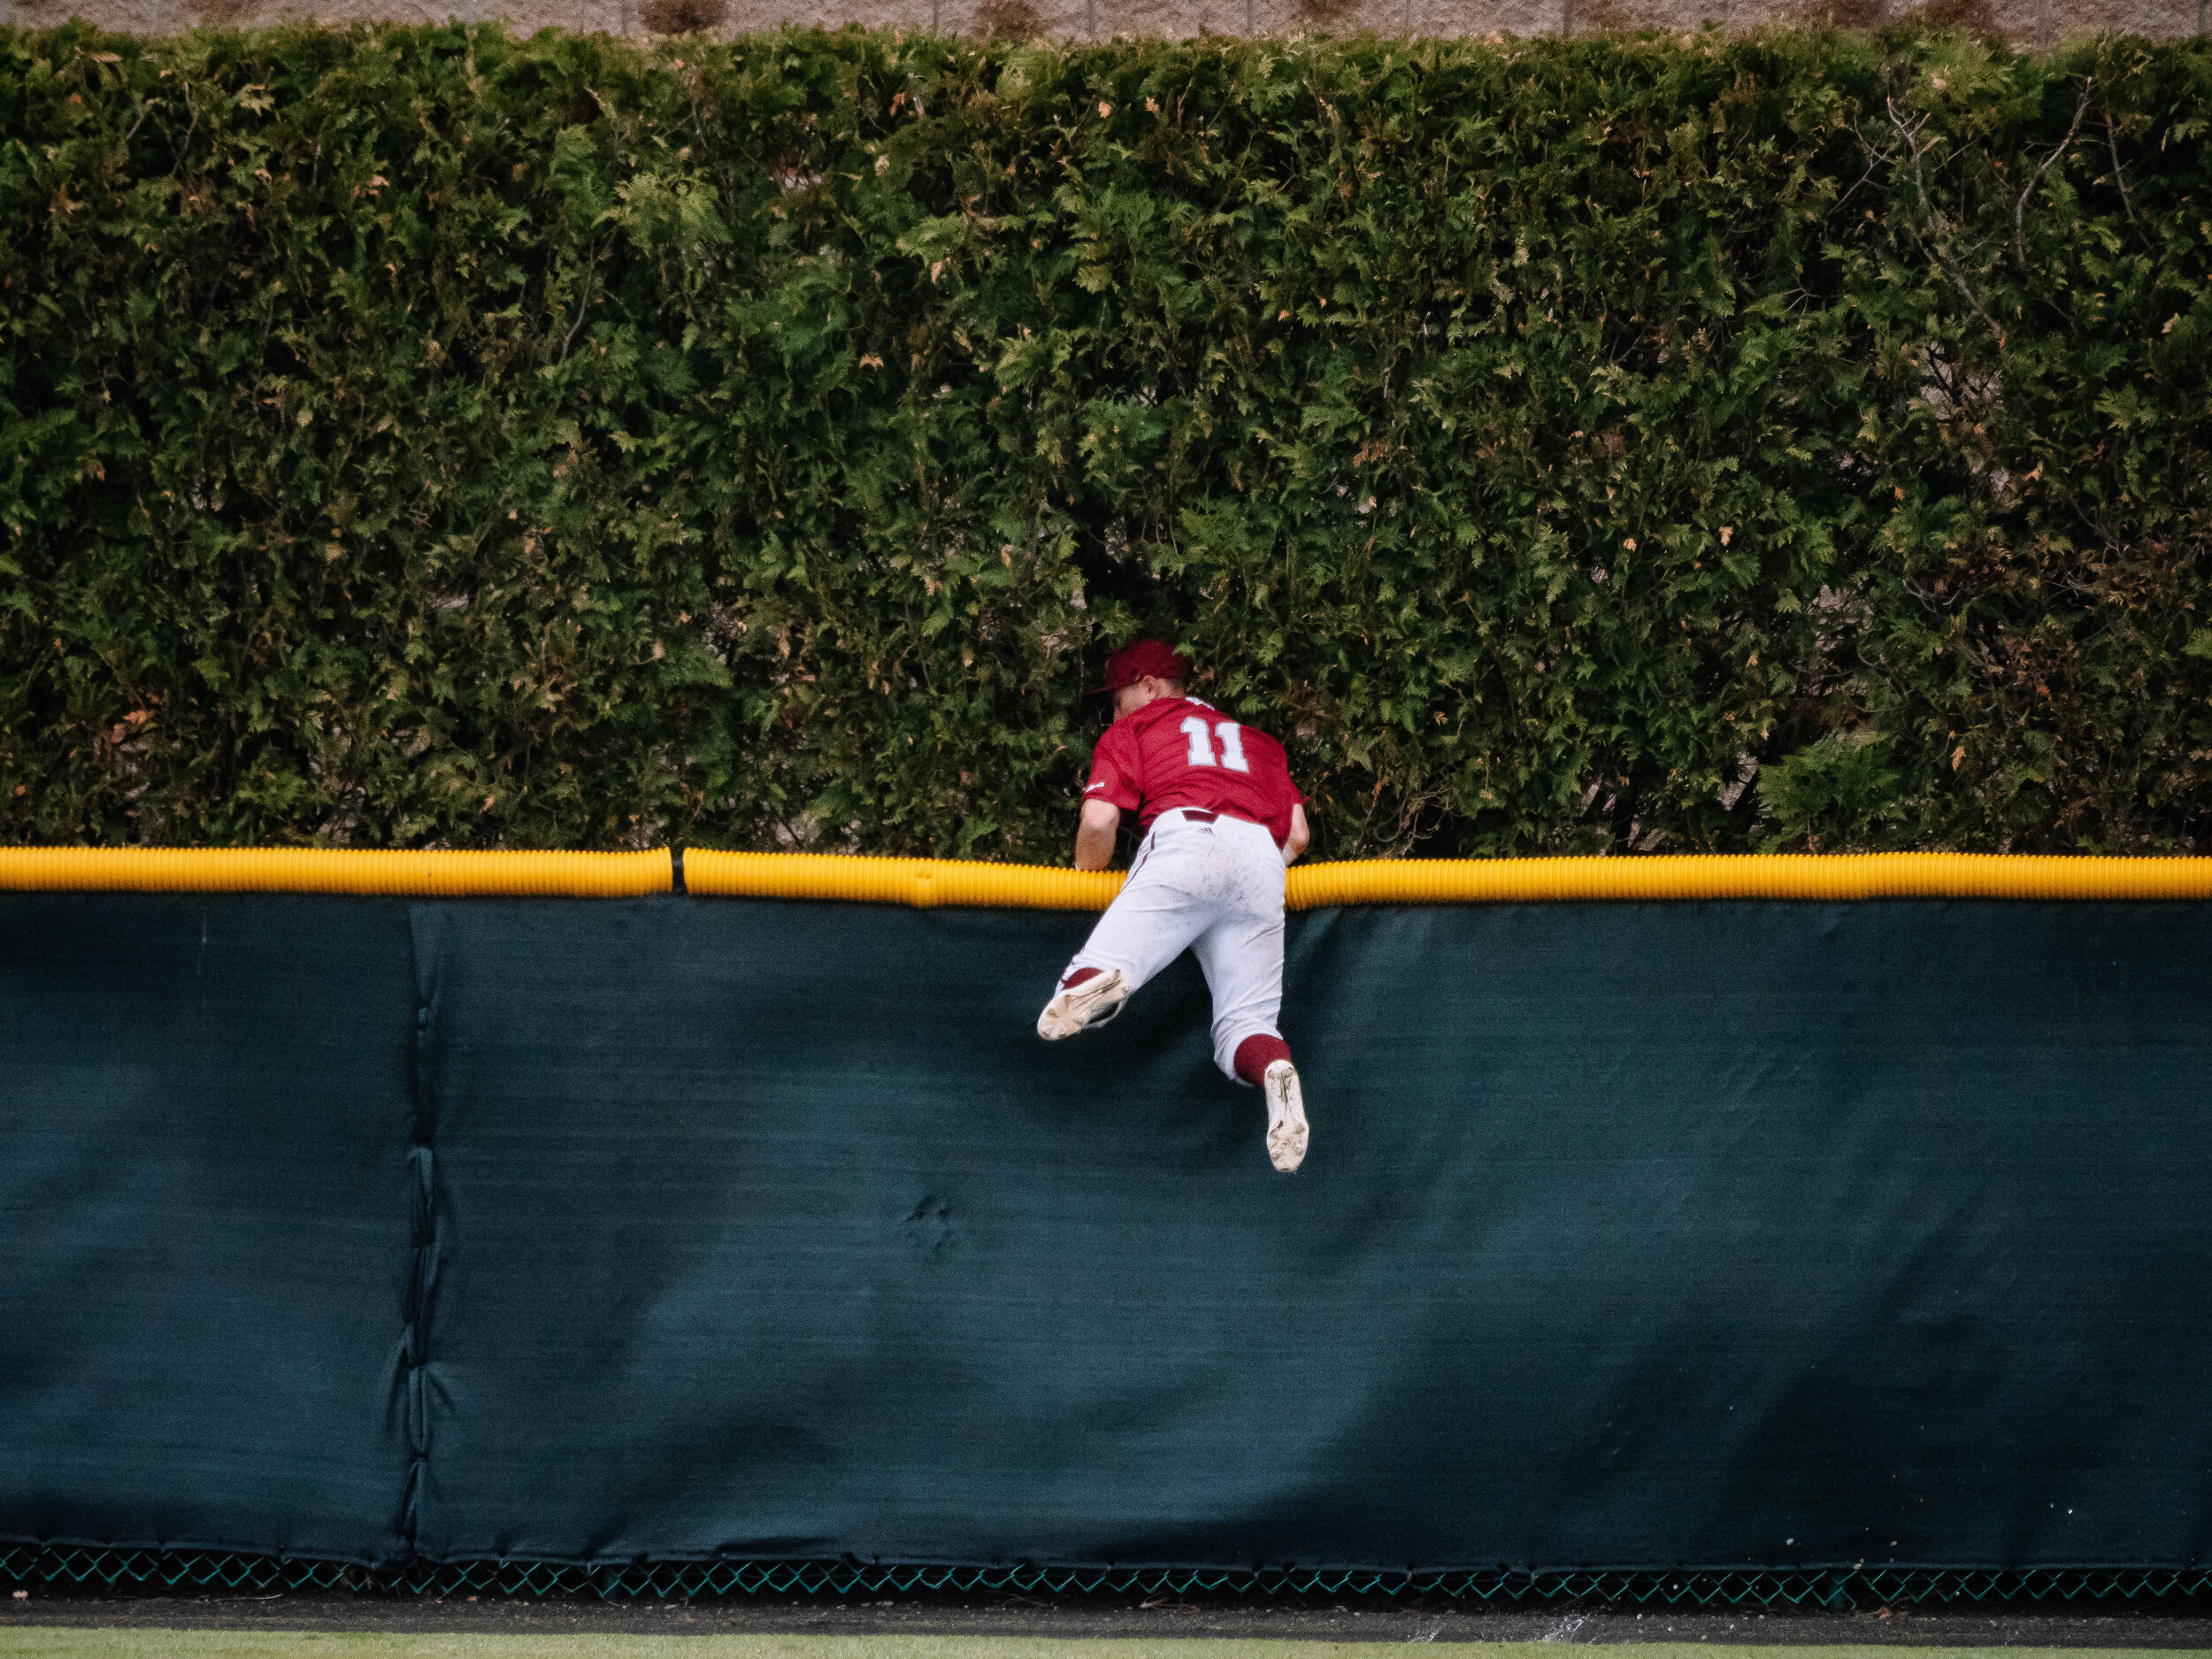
x,y
2028,22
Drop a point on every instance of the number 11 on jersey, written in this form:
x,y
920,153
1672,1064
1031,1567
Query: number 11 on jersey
x,y
1202,744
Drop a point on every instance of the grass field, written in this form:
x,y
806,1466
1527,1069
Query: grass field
x,y
64,1643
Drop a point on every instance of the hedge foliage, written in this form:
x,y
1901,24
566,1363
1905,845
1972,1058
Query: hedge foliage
x,y
420,436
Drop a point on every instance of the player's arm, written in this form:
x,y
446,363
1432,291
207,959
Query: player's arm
x,y
1299,835
1094,836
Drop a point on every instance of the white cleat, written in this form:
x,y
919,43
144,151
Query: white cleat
x,y
1286,1128
1075,1007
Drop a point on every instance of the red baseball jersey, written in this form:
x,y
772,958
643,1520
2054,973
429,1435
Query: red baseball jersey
x,y
1178,751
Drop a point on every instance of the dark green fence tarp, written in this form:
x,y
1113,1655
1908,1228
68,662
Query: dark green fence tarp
x,y
1636,1236
207,1197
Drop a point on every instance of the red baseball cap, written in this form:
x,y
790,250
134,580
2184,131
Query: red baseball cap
x,y
1140,659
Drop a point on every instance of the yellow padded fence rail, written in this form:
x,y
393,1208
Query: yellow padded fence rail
x,y
923,882
928,882
1824,878
334,869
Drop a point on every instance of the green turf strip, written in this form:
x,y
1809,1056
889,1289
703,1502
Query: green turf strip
x,y
60,1642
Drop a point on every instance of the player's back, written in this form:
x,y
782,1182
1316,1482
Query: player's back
x,y
1179,752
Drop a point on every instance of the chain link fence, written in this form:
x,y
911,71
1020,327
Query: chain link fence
x,y
1841,1589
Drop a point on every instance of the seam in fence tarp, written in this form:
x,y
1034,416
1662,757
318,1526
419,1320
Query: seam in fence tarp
x,y
929,882
423,1238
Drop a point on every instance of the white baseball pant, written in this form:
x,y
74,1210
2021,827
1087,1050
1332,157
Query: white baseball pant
x,y
1216,888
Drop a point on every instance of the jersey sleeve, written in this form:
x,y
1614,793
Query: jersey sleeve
x,y
1115,773
1282,787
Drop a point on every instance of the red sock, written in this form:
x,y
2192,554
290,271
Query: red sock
x,y
1255,1055
1078,976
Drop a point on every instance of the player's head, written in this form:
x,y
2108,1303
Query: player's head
x,y
1143,671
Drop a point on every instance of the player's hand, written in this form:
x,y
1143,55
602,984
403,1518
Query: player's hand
x,y
1298,839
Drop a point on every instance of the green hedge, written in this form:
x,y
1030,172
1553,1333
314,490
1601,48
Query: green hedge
x,y
419,436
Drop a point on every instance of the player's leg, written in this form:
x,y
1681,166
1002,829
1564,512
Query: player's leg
x,y
1149,925
1241,956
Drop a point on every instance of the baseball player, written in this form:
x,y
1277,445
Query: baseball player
x,y
1223,821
